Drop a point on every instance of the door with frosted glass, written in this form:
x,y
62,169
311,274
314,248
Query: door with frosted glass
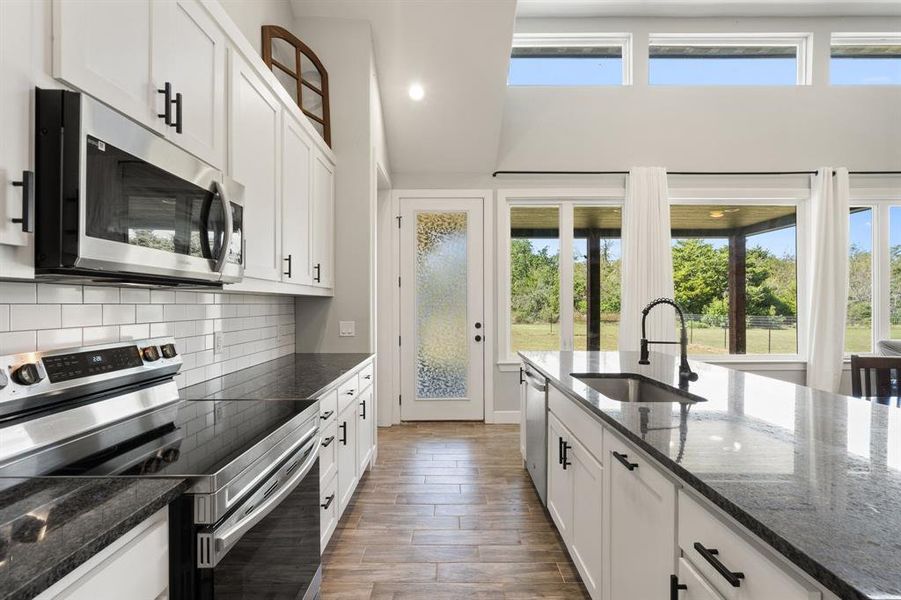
x,y
441,309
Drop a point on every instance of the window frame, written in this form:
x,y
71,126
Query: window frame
x,y
579,40
872,38
565,200
802,42
877,208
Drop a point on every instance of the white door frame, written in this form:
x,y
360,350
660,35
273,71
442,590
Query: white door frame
x,y
486,197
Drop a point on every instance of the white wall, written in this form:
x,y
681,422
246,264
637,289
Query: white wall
x,y
345,48
251,15
703,128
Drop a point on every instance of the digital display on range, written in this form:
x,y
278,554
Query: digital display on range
x,y
64,367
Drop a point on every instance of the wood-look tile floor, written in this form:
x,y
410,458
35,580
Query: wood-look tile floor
x,y
447,512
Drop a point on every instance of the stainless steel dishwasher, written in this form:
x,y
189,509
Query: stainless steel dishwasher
x,y
536,429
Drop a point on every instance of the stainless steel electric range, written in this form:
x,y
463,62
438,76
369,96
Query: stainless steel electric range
x,y
248,526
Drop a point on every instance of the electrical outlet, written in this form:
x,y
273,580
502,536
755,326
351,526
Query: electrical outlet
x,y
218,342
347,328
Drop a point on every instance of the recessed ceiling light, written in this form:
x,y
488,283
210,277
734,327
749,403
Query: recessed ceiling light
x,y
416,92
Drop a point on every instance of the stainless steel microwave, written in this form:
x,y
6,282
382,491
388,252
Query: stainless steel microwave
x,y
117,203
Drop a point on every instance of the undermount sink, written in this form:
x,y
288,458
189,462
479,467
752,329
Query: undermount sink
x,y
632,389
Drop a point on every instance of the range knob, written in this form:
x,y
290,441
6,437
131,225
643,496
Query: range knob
x,y
29,373
150,354
168,350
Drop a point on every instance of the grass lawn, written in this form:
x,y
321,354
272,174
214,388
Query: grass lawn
x,y
544,336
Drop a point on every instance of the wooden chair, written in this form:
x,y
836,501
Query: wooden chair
x,y
875,376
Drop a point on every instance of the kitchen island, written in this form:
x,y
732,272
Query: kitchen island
x,y
815,477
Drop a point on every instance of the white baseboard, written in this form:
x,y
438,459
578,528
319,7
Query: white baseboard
x,y
506,416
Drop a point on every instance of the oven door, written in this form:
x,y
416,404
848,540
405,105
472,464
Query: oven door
x,y
269,547
148,207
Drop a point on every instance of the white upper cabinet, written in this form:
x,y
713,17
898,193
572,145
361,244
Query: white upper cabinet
x,y
254,143
323,221
17,20
297,239
106,49
190,55
125,54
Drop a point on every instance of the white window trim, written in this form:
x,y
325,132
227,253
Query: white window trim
x,y
802,42
582,40
565,200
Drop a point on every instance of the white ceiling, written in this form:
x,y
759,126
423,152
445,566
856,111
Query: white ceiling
x,y
458,50
706,8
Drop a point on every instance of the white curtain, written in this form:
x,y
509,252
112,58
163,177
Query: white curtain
x,y
647,260
827,281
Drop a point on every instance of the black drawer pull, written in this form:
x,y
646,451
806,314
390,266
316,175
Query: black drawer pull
x,y
624,459
363,404
367,377
178,120
318,276
326,415
166,116
559,450
675,586
343,428
328,501
327,441
709,554
288,260
349,392
27,185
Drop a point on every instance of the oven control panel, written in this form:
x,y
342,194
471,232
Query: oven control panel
x,y
63,367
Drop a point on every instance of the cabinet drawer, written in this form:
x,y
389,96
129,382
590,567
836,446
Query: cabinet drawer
x,y
761,577
348,392
582,425
328,407
366,376
328,511
328,450
695,586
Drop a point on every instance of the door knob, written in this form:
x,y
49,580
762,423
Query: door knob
x,y
478,338
478,325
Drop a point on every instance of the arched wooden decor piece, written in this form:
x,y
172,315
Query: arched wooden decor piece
x,y
295,72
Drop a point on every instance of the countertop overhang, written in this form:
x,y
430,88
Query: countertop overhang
x,y
815,475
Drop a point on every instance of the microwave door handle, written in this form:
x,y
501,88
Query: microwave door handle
x,y
222,259
223,541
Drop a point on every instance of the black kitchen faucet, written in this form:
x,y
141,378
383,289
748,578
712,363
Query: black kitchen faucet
x,y
685,372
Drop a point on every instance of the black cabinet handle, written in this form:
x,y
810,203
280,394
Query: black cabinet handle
x,y
288,260
559,450
624,459
521,380
343,428
178,120
349,393
326,415
328,501
318,276
709,554
327,441
363,404
367,377
675,586
167,103
566,448
27,185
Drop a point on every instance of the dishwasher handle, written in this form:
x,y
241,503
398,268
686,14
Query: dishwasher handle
x,y
538,384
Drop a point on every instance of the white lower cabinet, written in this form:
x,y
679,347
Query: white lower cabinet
x,y
347,456
690,585
328,450
559,478
364,429
328,511
731,564
134,566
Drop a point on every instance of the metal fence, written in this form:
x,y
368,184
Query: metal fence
x,y
711,329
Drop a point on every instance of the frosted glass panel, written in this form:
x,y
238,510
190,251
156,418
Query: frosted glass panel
x,y
442,342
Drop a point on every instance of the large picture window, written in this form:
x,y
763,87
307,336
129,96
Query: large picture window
x,y
534,278
735,275
596,277
859,320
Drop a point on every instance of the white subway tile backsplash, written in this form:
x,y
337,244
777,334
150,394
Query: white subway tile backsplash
x,y
34,316
81,315
118,314
134,296
54,339
51,293
13,292
18,341
100,335
101,295
256,328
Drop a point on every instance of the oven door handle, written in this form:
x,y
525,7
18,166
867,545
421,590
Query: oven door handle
x,y
224,540
222,259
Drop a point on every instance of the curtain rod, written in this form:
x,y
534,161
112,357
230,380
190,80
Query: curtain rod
x,y
871,173
496,173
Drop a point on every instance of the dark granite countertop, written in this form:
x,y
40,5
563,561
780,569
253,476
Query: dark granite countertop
x,y
815,475
48,527
291,377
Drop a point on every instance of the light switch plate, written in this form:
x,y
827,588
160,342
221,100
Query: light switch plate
x,y
347,328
